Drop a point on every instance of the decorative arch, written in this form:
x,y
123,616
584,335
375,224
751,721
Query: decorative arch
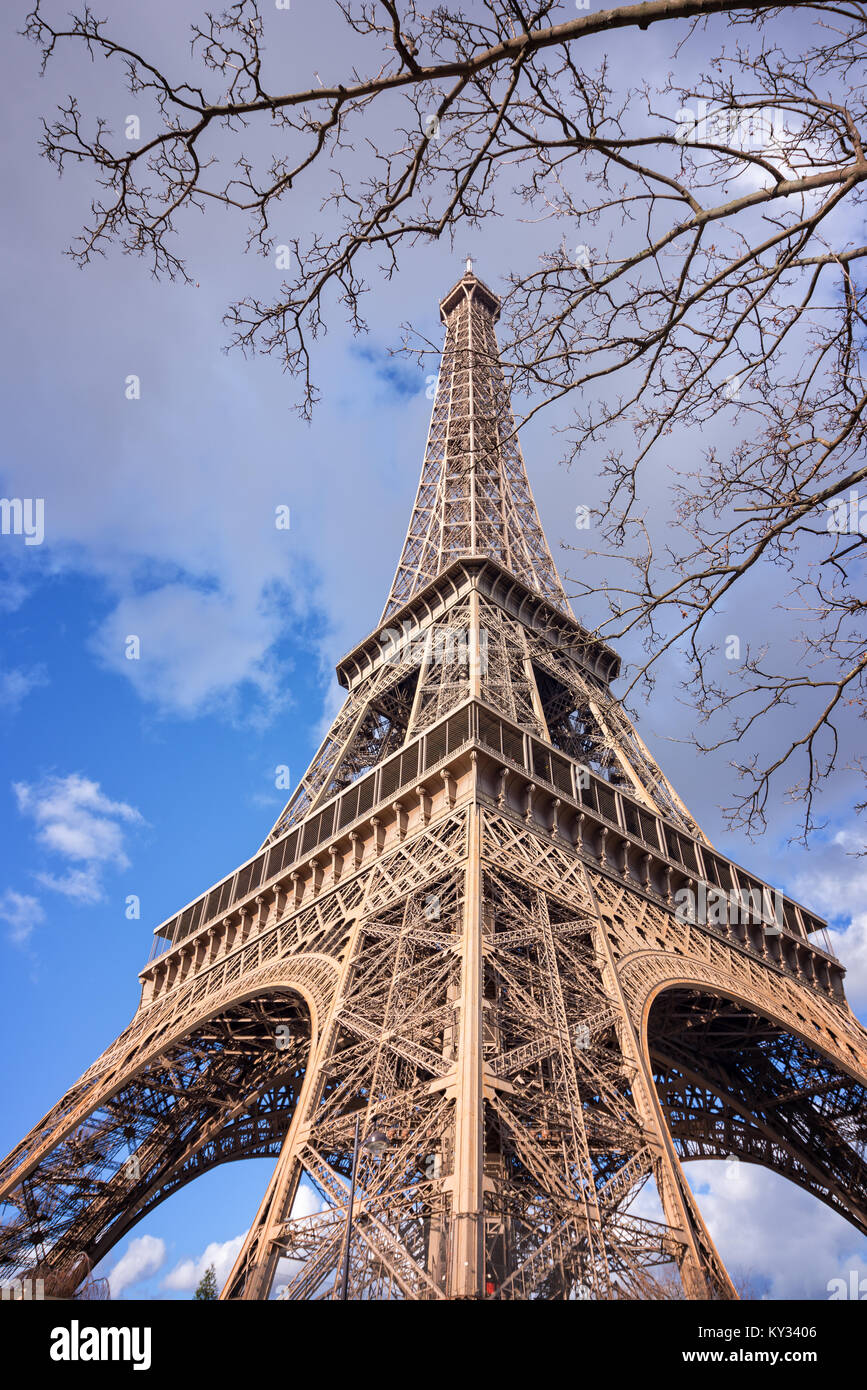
x,y
771,1077
182,1090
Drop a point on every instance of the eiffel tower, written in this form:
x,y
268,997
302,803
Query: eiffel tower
x,y
486,932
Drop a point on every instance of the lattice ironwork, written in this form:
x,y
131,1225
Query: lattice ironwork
x,y
474,497
463,934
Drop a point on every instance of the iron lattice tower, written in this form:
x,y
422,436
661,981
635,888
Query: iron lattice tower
x,y
465,930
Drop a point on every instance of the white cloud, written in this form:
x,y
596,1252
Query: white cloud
x,y
851,840
82,885
308,1201
838,888
775,1240
144,1256
22,912
196,648
768,1229
838,891
16,684
851,946
189,1273
12,595
76,820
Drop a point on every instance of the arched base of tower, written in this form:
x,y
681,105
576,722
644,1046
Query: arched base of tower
x,y
735,1083
222,1088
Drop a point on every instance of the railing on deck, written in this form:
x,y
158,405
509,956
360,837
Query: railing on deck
x,y
475,723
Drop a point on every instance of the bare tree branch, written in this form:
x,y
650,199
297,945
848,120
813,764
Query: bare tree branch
x,y
701,263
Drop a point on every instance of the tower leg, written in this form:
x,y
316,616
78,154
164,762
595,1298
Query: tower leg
x,y
253,1272
467,1265
702,1272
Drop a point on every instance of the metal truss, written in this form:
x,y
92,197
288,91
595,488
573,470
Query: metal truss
x,y
463,933
474,497
479,646
474,500
578,1103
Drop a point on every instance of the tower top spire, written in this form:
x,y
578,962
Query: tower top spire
x,y
474,499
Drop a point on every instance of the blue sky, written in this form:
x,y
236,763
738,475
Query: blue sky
x,y
155,777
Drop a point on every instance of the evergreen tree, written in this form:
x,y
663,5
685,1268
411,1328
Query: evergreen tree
x,y
207,1289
